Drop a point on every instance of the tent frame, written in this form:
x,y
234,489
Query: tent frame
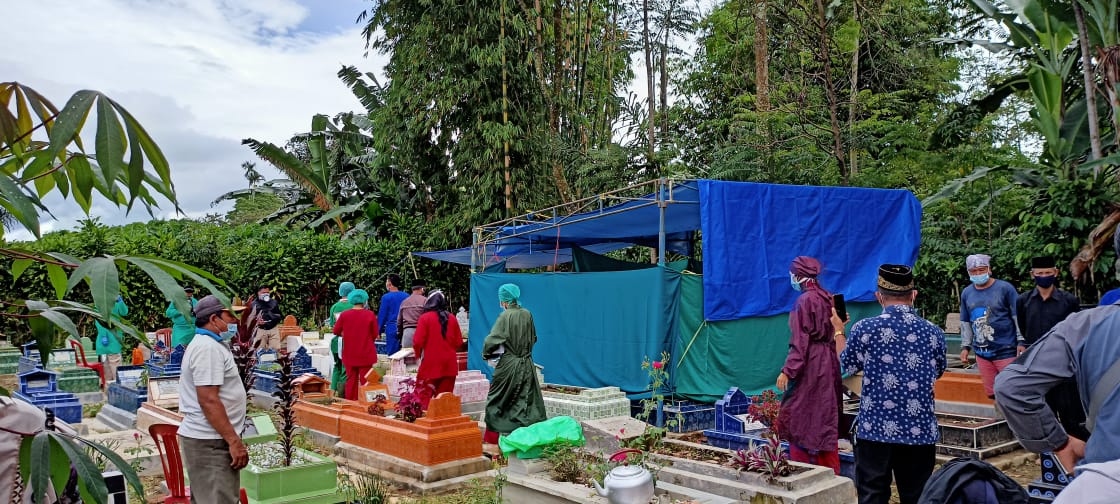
x,y
656,192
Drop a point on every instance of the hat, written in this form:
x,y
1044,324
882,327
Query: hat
x,y
188,289
345,288
358,296
211,305
805,266
418,283
896,277
509,293
1043,263
977,261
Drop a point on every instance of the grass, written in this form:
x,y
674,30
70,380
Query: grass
x,y
91,410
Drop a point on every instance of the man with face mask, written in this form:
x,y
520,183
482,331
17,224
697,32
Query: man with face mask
x,y
988,321
901,355
1039,310
267,312
212,402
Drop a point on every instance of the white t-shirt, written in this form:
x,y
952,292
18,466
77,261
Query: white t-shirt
x,y
208,362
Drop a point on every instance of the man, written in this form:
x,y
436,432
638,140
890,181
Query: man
x,y
810,379
409,314
109,341
389,309
267,311
338,373
988,321
212,402
1039,310
182,324
901,356
17,420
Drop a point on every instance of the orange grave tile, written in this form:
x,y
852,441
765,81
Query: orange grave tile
x,y
289,327
961,387
443,435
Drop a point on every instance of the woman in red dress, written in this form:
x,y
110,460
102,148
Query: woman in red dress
x,y
358,329
435,344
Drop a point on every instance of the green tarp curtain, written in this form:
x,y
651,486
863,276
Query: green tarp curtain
x,y
745,353
593,329
584,260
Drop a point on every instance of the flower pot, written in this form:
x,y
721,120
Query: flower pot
x,y
310,482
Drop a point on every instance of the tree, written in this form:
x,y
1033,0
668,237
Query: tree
x,y
251,174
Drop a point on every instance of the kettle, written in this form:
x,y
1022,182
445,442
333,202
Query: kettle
x,y
626,484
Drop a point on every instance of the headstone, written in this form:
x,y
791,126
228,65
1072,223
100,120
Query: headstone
x,y
164,391
170,365
40,388
734,429
368,393
127,393
312,387
9,360
267,372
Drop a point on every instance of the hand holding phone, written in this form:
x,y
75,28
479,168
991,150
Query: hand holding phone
x,y
841,307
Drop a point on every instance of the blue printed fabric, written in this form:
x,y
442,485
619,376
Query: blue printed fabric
x,y
901,355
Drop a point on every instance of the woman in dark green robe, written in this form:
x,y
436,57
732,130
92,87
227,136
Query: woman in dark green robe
x,y
515,396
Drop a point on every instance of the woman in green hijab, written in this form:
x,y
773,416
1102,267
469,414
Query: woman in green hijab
x,y
515,396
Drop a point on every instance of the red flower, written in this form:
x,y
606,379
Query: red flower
x,y
657,365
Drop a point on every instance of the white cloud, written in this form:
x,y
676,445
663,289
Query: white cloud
x,y
199,74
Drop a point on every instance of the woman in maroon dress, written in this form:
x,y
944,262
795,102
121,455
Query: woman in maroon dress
x,y
358,329
810,413
435,342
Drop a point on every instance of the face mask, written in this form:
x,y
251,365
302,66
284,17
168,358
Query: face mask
x,y
979,279
265,297
794,283
1045,281
230,332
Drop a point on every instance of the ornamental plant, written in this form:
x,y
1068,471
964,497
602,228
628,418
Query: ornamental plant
x,y
408,406
285,392
768,457
378,406
244,348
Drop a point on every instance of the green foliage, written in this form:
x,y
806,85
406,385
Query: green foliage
x,y
303,268
46,458
360,487
253,208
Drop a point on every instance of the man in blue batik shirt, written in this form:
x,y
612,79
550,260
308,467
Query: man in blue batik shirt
x,y
901,355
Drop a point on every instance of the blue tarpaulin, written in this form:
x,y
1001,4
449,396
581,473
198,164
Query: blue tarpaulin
x,y
593,329
751,233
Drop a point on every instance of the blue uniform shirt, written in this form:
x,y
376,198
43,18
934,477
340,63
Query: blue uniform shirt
x,y
901,355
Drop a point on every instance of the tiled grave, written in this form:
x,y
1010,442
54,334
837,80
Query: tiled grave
x,y
166,364
690,416
267,372
40,388
9,359
587,404
127,393
164,392
974,437
1054,479
71,377
471,386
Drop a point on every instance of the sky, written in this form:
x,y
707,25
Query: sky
x,y
200,75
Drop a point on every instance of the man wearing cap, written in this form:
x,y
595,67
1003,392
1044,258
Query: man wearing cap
x,y
409,313
182,325
901,356
1039,310
212,402
988,321
810,379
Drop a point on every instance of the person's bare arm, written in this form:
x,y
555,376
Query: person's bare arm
x,y
215,413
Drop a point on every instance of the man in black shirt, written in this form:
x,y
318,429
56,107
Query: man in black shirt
x,y
266,309
1039,310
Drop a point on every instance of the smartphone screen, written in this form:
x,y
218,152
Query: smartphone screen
x,y
841,307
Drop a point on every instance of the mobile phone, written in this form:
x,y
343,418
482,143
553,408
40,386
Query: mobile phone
x,y
841,307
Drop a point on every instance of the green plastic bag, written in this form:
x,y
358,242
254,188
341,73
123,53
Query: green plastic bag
x,y
529,442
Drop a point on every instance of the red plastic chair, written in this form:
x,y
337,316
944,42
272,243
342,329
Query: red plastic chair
x,y
164,335
166,439
81,361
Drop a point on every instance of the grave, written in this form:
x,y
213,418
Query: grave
x,y
1044,489
974,437
402,366
40,388
9,359
126,395
437,452
690,416
472,387
165,363
267,371
312,387
85,383
584,403
164,392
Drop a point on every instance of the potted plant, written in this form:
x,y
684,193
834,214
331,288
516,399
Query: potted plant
x,y
280,472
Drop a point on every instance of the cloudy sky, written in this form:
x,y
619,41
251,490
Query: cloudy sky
x,y
199,74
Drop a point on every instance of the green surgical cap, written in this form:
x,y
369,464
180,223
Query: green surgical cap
x,y
358,296
509,293
345,288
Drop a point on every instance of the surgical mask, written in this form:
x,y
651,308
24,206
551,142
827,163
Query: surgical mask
x,y
979,279
230,332
265,297
1045,281
794,283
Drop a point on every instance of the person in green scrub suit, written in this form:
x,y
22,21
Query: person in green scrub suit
x,y
182,324
515,396
109,341
338,377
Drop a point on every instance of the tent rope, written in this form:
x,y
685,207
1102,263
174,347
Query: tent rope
x,y
693,340
412,261
556,250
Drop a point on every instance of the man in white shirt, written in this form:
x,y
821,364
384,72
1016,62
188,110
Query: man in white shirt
x,y
212,401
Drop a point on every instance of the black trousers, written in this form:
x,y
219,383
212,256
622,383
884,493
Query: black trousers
x,y
876,464
1065,400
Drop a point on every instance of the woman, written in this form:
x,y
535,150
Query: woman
x,y
338,375
358,329
515,396
810,413
435,343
